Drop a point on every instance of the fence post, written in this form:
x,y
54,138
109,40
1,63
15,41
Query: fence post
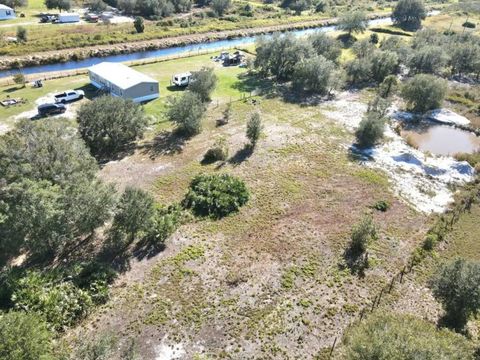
x,y
391,284
401,275
333,347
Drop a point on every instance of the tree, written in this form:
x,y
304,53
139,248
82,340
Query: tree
x,y
278,55
58,4
455,285
388,86
220,6
316,74
108,124
21,34
362,235
97,6
465,58
326,46
19,79
218,152
409,14
25,336
139,24
374,39
424,92
383,64
385,336
14,3
254,128
353,22
186,111
134,212
296,5
216,195
203,82
430,59
370,130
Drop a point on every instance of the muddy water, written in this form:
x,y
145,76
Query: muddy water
x,y
442,140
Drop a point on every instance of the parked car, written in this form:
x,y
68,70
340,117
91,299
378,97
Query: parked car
x,y
46,18
92,17
69,95
51,109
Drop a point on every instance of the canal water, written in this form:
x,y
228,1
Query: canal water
x,y
176,50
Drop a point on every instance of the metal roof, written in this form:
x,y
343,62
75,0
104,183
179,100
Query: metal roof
x,y
120,75
5,7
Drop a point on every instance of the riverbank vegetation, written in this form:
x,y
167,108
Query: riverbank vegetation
x,y
124,242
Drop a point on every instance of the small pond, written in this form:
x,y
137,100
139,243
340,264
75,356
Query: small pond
x,y
441,139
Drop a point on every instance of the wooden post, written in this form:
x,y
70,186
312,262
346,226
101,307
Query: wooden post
x,y
380,297
401,275
373,304
333,347
391,284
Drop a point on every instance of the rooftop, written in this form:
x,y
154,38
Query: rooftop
x,y
120,75
5,7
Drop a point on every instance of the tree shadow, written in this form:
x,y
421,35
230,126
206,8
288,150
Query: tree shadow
x,y
90,91
174,88
145,249
165,143
12,89
116,155
241,155
251,82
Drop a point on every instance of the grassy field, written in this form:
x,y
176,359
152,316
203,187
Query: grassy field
x,y
272,277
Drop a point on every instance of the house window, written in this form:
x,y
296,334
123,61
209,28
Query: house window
x,y
152,88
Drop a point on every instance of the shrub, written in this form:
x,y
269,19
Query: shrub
x,y
374,39
424,92
381,205
326,46
186,112
220,6
24,336
165,222
139,24
469,24
203,82
108,124
397,336
362,235
254,128
19,79
383,64
388,87
455,286
134,212
216,195
430,242
100,347
61,304
316,74
219,151
22,34
353,22
409,14
428,60
370,130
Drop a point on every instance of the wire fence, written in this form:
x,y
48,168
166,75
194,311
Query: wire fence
x,y
444,224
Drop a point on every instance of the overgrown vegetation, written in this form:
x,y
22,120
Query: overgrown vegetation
x,y
216,195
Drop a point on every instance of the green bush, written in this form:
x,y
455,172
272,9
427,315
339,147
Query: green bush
x,y
60,303
362,235
216,195
424,92
455,286
186,111
139,25
254,128
396,336
469,24
203,83
165,222
430,242
381,205
24,336
370,130
374,38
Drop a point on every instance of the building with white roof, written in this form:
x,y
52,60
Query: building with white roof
x,y
6,12
122,81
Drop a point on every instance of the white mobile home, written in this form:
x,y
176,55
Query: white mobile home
x,y
6,12
122,81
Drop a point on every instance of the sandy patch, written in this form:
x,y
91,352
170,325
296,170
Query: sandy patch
x,y
423,181
165,351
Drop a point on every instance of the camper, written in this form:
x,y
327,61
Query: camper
x,y
68,18
6,12
182,79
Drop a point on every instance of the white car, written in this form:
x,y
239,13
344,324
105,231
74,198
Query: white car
x,y
69,95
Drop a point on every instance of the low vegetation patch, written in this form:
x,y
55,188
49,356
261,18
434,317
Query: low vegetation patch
x,y
216,195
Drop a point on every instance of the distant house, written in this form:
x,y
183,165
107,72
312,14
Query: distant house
x,y
122,81
6,12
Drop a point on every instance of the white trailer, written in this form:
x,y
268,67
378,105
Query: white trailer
x,y
6,12
68,18
182,79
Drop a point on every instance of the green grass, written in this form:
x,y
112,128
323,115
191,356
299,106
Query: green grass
x,y
229,86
